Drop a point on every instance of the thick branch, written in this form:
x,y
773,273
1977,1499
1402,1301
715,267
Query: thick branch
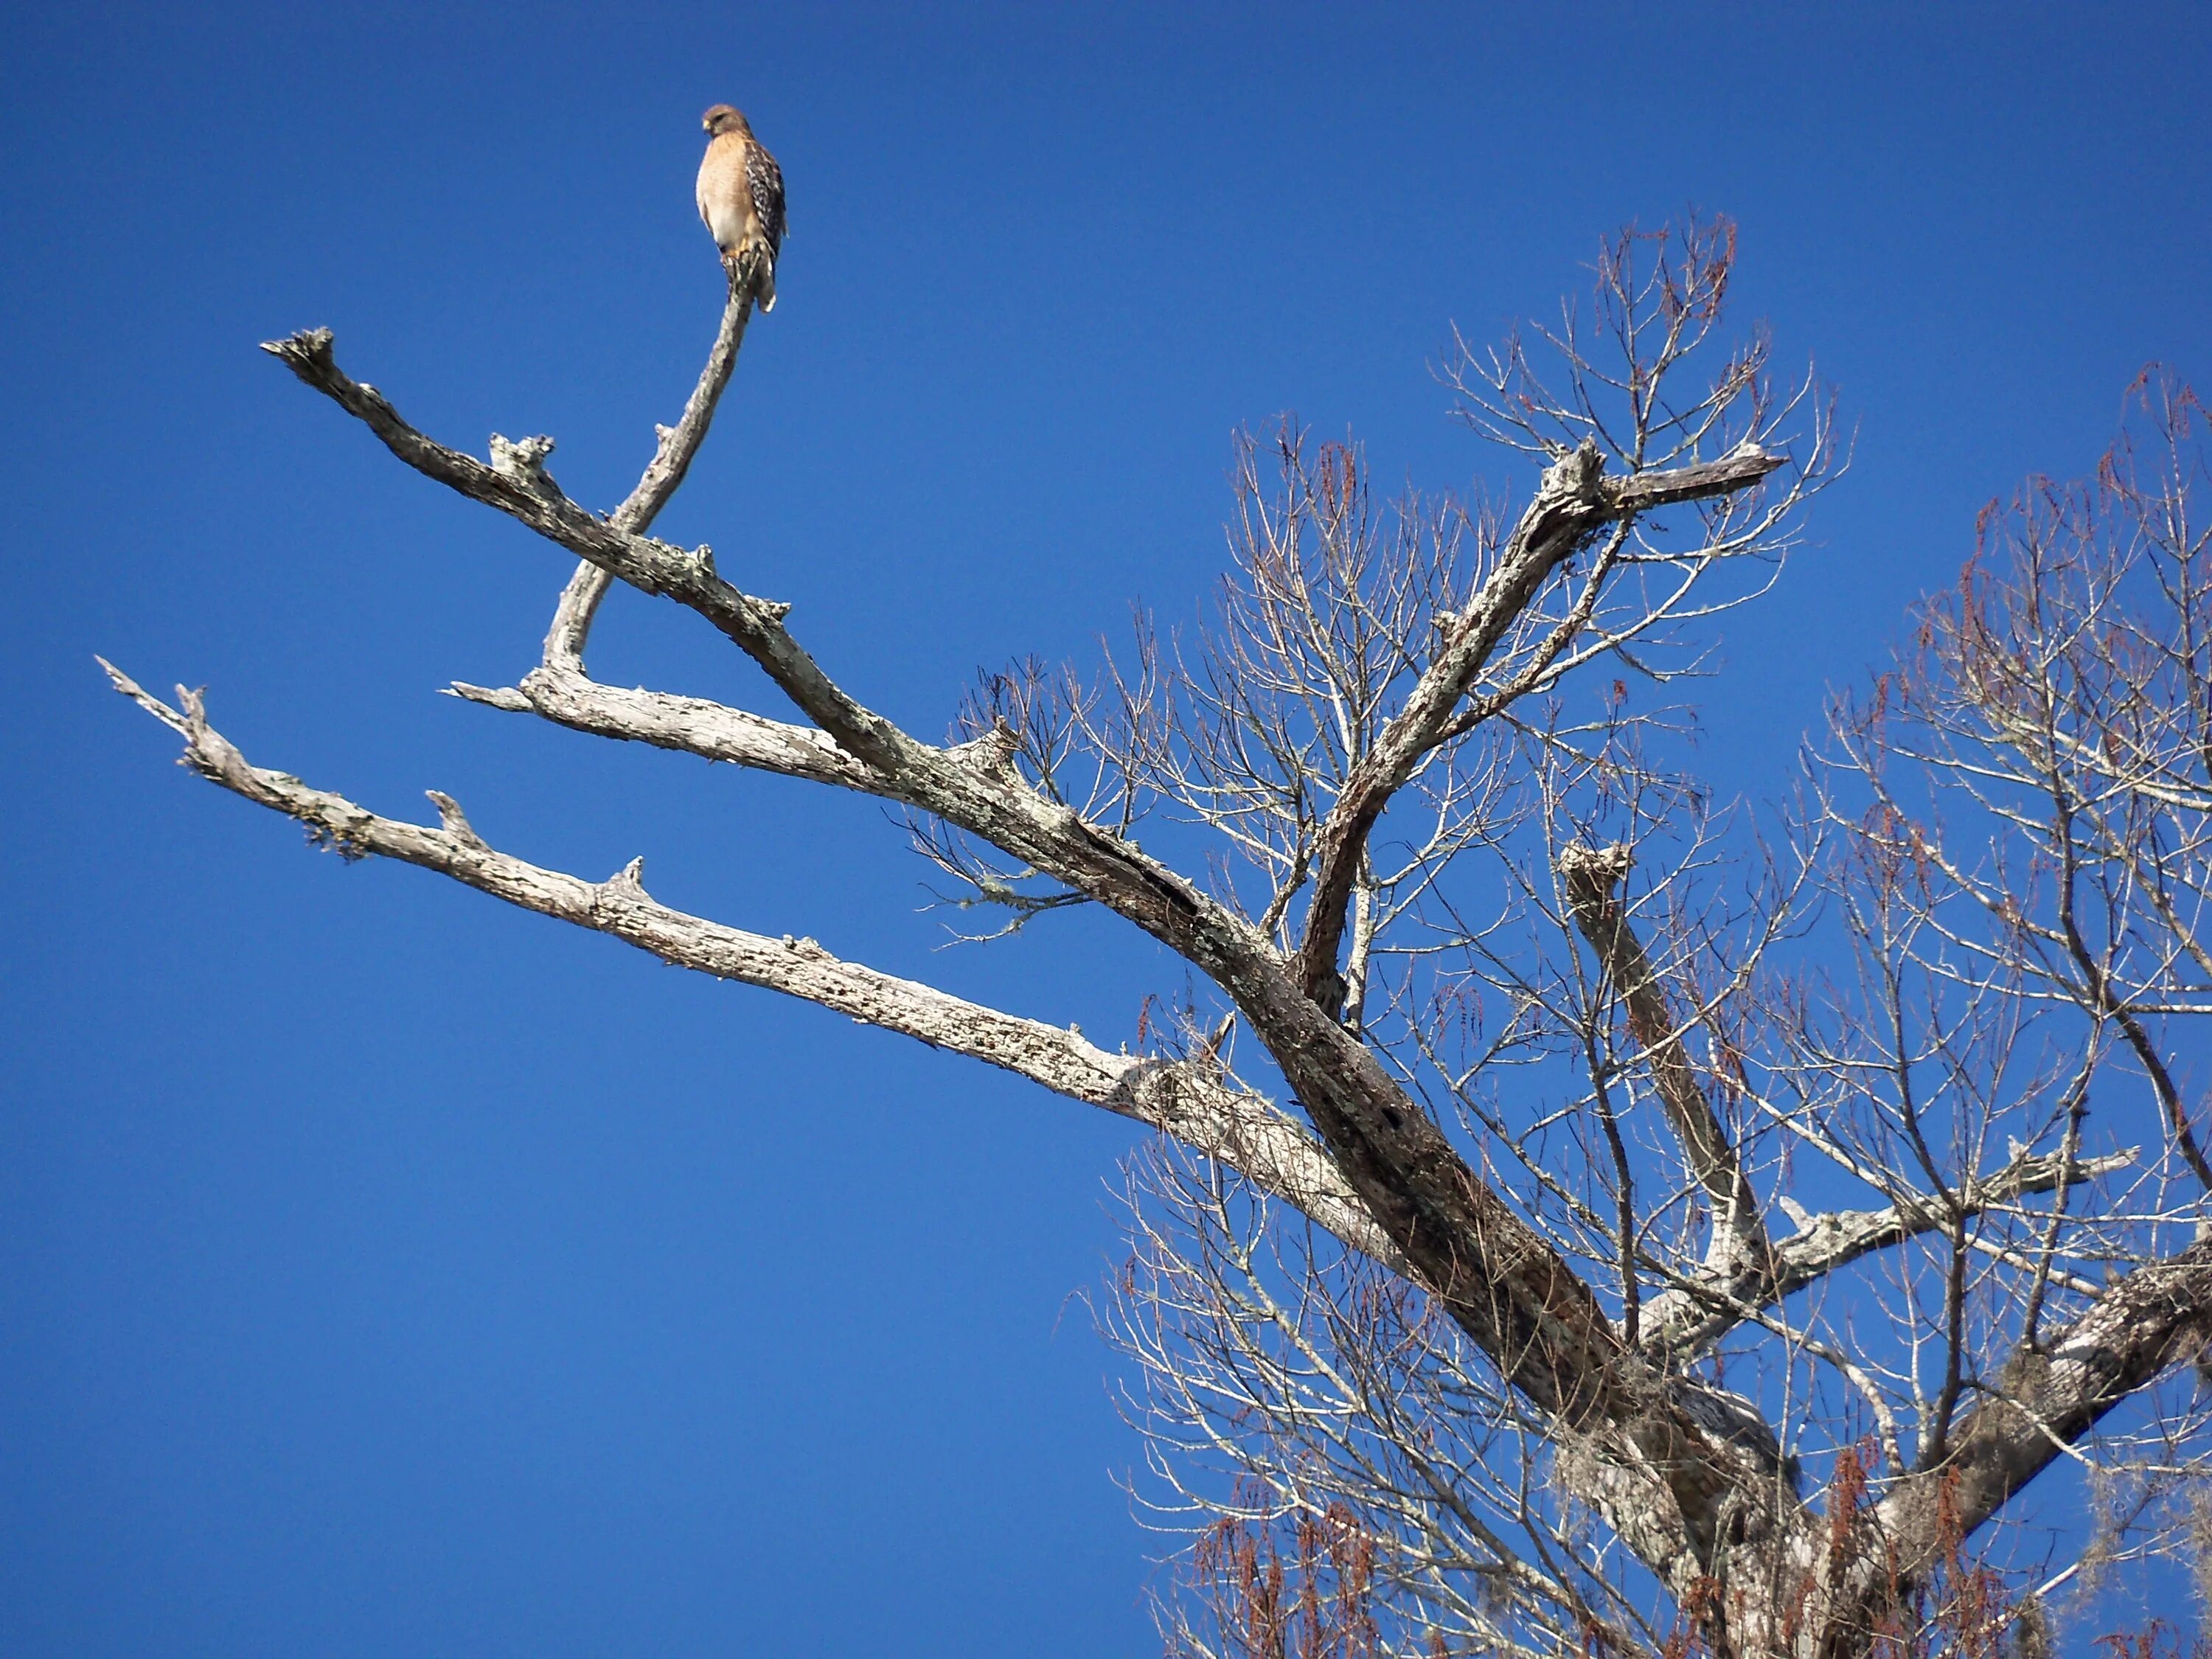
x,y
692,726
1575,501
965,788
1696,1313
2049,1397
1183,1100
1592,875
517,485
1501,1281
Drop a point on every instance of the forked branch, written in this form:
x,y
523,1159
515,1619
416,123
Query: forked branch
x,y
1188,1101
663,475
516,483
1575,501
1498,1277
1698,1311
2049,1396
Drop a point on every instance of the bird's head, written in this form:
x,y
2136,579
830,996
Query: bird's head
x,y
722,119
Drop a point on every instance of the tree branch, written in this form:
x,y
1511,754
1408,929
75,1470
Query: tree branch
x,y
1188,1101
969,789
1739,1240
1389,1184
691,725
2047,1398
1501,1281
663,475
517,484
1574,502
1700,1310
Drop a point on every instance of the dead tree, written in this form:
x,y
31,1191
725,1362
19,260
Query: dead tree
x,y
1526,1232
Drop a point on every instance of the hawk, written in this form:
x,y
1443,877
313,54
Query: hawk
x,y
741,199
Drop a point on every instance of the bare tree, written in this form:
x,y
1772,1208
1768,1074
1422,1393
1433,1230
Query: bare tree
x,y
1579,1222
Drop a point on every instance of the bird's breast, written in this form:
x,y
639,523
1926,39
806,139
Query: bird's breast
x,y
725,202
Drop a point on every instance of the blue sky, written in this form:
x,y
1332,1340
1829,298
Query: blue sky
x,y
385,1273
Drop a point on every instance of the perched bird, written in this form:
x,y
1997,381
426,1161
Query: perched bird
x,y
741,199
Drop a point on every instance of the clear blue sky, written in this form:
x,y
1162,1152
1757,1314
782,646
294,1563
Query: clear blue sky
x,y
383,1273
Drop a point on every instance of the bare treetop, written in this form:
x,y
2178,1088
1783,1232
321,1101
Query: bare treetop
x,y
1581,1221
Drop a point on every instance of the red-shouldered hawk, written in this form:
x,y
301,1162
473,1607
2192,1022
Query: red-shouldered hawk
x,y
741,199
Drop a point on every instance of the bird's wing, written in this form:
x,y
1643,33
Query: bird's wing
x,y
765,179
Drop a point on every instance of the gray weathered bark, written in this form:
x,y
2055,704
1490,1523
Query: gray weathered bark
x,y
1691,1478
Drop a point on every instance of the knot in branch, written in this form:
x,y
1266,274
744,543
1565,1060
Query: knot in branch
x,y
454,822
628,882
1576,474
523,461
1594,872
